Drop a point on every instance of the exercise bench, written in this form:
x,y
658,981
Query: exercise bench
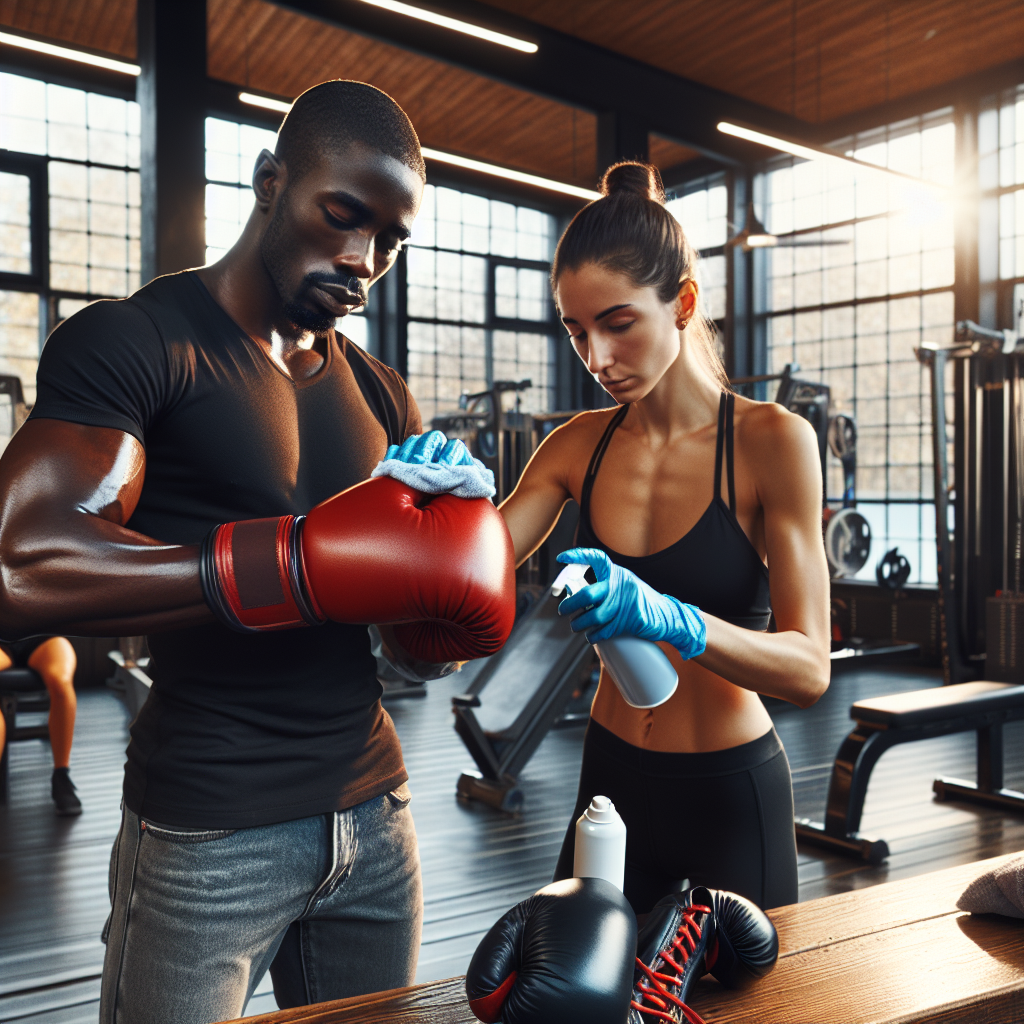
x,y
883,722
20,689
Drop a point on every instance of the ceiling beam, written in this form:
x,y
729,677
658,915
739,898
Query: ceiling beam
x,y
569,70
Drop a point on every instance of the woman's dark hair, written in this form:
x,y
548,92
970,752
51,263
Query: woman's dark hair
x,y
629,230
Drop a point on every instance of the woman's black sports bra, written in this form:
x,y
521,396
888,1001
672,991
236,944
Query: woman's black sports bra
x,y
714,566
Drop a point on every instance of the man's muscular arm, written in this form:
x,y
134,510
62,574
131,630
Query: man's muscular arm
x,y
68,564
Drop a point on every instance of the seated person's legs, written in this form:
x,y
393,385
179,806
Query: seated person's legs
x,y
5,662
54,660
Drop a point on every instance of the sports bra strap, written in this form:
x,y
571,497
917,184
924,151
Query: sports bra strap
x,y
595,459
730,402
725,439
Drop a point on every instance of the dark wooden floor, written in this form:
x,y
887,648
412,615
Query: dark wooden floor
x,y
476,862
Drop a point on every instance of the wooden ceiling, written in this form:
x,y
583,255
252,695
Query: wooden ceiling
x,y
255,43
816,59
104,25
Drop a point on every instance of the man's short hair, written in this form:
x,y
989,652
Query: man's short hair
x,y
334,114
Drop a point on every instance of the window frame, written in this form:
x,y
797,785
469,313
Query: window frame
x,y
36,169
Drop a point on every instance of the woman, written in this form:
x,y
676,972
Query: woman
x,y
686,491
53,658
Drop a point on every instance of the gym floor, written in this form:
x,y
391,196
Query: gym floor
x,y
476,862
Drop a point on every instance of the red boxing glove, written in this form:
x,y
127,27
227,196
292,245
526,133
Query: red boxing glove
x,y
438,567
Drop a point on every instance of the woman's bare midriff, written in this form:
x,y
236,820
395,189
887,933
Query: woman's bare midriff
x,y
705,713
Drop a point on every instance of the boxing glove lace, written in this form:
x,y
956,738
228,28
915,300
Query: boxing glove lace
x,y
688,934
438,568
563,956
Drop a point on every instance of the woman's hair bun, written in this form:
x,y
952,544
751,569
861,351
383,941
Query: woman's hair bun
x,y
634,178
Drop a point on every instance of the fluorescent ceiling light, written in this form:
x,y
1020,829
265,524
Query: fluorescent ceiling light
x,y
450,158
510,175
809,152
454,24
264,101
52,50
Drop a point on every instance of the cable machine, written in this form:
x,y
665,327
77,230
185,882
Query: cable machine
x,y
981,602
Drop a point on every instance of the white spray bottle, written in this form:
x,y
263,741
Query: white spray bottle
x,y
639,668
600,843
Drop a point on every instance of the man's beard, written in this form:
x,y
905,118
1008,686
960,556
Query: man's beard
x,y
311,321
275,250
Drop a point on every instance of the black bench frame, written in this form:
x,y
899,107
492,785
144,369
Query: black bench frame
x,y
860,751
20,688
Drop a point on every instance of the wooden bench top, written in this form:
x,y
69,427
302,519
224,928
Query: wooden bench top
x,y
889,954
937,702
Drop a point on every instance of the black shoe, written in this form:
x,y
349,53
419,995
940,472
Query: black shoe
x,y
672,946
62,789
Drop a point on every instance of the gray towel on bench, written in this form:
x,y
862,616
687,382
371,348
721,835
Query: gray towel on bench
x,y
1000,891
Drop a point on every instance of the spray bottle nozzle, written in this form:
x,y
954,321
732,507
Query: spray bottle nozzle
x,y
572,578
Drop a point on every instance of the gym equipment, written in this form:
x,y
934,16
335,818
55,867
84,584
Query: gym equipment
x,y
882,722
13,411
847,542
842,440
847,532
503,734
978,561
893,569
1004,612
21,689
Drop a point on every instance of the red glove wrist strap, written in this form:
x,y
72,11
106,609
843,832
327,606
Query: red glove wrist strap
x,y
256,566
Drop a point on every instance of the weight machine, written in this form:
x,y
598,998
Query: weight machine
x,y
981,602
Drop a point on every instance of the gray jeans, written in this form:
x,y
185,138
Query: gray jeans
x,y
198,917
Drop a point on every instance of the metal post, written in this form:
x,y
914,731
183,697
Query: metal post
x,y
172,97
935,360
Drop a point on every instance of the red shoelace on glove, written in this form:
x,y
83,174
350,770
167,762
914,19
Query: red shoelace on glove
x,y
657,993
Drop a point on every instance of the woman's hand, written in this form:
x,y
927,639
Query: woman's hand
x,y
621,603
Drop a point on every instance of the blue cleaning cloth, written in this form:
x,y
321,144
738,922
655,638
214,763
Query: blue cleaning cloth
x,y
464,481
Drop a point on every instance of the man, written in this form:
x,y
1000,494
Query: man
x,y
265,804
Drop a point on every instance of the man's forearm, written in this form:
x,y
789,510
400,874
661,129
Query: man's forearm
x,y
94,578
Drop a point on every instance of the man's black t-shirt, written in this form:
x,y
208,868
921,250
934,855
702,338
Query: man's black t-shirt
x,y
239,729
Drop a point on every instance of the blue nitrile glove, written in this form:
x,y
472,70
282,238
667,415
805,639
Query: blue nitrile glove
x,y
432,446
621,603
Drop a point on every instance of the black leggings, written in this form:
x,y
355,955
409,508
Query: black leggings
x,y
722,819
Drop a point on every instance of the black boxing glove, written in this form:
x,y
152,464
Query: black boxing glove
x,y
746,944
688,934
670,953
563,956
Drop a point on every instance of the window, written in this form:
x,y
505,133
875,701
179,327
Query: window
x,y
231,151
73,155
1001,179
851,307
703,214
478,300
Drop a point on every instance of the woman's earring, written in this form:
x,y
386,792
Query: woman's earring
x,y
681,324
